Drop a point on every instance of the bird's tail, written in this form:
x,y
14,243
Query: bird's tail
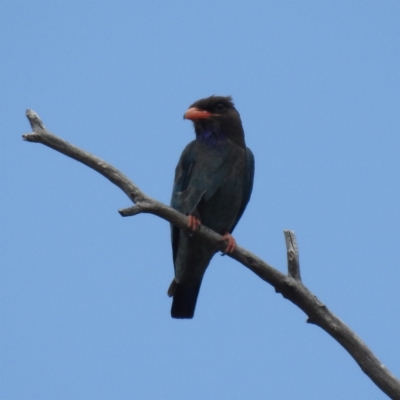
x,y
185,298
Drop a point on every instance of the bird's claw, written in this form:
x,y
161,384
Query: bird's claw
x,y
194,223
231,246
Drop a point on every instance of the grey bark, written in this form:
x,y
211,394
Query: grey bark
x,y
290,286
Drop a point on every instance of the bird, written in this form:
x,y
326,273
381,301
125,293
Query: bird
x,y
212,186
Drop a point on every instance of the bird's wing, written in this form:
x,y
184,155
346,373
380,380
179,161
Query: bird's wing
x,y
197,176
248,185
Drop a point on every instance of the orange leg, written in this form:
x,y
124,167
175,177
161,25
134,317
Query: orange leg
x,y
194,223
231,246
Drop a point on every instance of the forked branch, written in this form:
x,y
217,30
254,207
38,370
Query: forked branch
x,y
289,285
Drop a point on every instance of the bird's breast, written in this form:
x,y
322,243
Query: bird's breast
x,y
220,207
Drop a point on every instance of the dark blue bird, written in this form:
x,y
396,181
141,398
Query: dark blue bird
x,y
213,184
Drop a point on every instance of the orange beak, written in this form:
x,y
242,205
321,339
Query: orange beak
x,y
194,113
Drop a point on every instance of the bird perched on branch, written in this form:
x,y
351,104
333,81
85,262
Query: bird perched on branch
x,y
213,184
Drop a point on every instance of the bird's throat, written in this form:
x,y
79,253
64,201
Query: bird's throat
x,y
209,137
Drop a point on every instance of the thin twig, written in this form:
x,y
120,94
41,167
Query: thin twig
x,y
292,255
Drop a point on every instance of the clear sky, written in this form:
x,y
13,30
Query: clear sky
x,y
84,309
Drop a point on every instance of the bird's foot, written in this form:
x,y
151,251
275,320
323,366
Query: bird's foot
x,y
194,223
231,246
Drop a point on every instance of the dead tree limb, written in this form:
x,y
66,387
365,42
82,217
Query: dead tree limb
x,y
290,286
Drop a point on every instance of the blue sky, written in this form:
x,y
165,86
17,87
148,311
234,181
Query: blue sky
x,y
84,310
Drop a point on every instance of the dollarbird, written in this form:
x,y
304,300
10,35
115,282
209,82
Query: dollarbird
x,y
212,186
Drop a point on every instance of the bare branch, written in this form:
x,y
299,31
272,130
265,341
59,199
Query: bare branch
x,y
290,286
42,135
292,255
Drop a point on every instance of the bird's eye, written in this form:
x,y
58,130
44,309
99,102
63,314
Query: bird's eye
x,y
220,107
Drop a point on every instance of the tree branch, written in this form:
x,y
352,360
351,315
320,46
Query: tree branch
x,y
289,286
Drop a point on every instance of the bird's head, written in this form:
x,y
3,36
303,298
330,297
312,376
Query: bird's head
x,y
215,118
